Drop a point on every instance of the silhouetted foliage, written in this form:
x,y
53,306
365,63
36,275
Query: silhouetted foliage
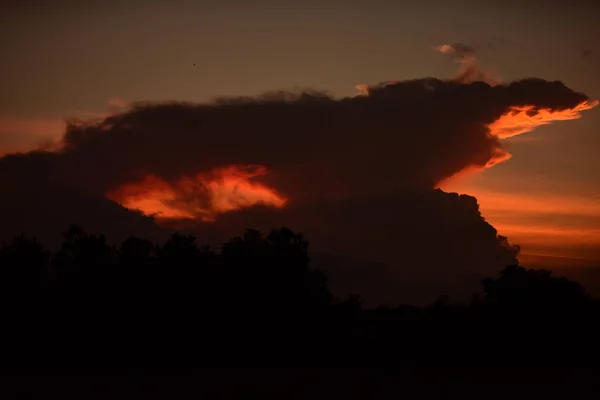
x,y
523,289
178,305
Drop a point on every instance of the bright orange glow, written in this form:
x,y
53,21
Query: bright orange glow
x,y
202,196
524,119
152,196
519,120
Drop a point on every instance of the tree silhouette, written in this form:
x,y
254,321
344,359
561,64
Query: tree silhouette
x,y
518,287
171,306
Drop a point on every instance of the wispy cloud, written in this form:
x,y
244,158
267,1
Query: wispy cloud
x,y
118,102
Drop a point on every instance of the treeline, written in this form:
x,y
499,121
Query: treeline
x,y
95,307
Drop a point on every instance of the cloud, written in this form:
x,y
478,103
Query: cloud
x,y
407,134
355,174
118,103
410,246
469,69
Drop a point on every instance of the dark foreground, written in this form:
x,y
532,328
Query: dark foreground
x,y
319,383
141,309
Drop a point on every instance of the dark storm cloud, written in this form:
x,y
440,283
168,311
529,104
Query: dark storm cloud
x,y
359,171
410,246
412,133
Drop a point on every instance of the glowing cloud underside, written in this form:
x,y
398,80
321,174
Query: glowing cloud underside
x,y
201,197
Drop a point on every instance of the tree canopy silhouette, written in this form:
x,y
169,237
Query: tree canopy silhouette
x,y
180,304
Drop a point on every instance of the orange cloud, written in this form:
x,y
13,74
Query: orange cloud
x,y
523,119
517,121
202,196
520,120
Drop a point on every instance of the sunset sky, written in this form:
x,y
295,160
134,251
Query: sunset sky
x,y
87,59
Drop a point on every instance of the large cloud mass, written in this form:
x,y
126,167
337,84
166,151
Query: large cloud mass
x,y
356,175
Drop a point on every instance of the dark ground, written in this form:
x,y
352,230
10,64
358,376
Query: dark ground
x,y
338,383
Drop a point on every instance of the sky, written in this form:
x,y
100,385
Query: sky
x,y
67,59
